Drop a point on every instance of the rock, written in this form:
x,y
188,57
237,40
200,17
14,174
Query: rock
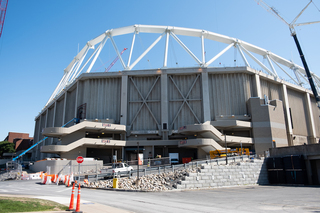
x,y
152,182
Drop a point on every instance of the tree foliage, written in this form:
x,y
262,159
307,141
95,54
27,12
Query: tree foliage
x,y
6,147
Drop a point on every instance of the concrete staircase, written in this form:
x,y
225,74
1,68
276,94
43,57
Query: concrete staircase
x,y
212,175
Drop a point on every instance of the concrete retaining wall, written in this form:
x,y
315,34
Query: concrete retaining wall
x,y
57,165
238,174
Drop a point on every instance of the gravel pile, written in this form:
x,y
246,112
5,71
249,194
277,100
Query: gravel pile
x,y
13,175
153,182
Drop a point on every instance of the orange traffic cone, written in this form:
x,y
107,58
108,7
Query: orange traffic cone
x,y
78,201
71,208
68,182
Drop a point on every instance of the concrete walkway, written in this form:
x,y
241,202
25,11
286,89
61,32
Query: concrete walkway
x,y
85,206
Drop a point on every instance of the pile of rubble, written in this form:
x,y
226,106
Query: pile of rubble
x,y
153,182
12,175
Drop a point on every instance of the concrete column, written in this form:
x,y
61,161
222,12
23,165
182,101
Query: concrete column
x,y
287,112
124,100
45,123
122,153
76,104
309,171
53,117
164,106
64,108
257,86
312,130
205,96
39,138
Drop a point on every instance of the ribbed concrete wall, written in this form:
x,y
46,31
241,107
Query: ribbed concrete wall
x,y
50,117
176,97
70,106
229,93
102,97
272,90
297,104
316,119
59,112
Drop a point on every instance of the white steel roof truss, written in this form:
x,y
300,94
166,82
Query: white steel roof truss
x,y
83,57
316,78
242,55
131,49
144,101
317,83
284,71
56,90
184,100
117,51
165,60
97,54
218,55
271,65
185,48
202,51
146,51
303,76
297,76
61,84
73,69
256,60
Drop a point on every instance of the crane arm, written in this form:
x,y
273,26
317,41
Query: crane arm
x,y
306,23
271,10
295,19
114,61
293,34
3,10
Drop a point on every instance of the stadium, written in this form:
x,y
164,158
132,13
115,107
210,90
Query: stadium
x,y
191,110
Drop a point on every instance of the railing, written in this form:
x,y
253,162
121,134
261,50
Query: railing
x,y
145,170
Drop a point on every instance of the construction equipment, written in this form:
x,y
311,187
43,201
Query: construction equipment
x,y
291,26
222,153
115,60
36,144
3,10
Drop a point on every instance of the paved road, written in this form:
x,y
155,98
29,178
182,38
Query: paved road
x,y
233,199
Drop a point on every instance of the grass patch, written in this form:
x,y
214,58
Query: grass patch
x,y
21,204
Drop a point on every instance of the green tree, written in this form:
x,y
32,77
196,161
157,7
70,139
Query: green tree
x,y
6,147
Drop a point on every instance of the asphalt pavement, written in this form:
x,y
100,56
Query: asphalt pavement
x,y
229,199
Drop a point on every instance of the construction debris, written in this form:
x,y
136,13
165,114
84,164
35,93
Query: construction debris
x,y
152,182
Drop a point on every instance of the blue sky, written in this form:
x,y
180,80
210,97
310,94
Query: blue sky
x,y
40,38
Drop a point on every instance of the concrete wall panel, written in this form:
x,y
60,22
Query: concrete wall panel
x,y
144,103
229,93
102,97
50,117
185,100
272,90
297,104
316,116
59,113
70,106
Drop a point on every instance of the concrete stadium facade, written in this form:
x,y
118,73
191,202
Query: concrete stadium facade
x,y
189,111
